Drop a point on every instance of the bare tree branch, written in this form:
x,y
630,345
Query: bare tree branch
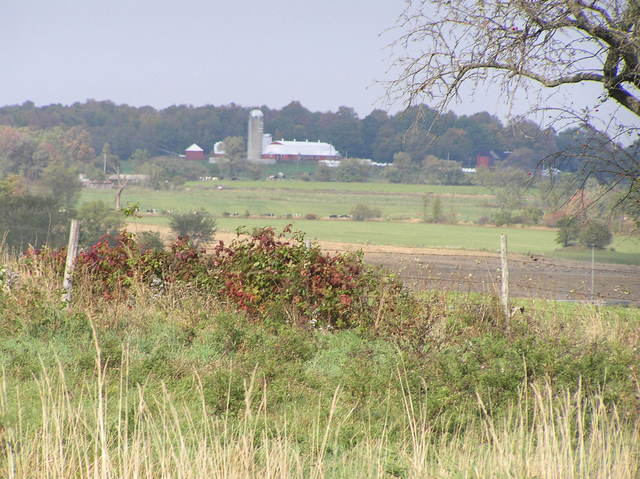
x,y
553,43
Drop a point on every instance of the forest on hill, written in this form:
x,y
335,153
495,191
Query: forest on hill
x,y
377,136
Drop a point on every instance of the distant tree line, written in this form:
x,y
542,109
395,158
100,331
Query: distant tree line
x,y
378,136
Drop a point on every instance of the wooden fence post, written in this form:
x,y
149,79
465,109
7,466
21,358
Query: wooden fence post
x,y
72,251
504,297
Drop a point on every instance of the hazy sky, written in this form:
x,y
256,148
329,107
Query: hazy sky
x,y
161,52
324,53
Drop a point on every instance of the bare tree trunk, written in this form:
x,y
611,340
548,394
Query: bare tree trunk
x,y
118,194
121,187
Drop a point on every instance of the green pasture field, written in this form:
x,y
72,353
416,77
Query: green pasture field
x,y
327,186
396,202
281,198
292,169
467,237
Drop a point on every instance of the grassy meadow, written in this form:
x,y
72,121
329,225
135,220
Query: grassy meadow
x,y
179,384
291,200
300,198
484,238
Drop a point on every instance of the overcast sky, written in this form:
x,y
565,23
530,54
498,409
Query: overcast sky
x,y
324,53
161,52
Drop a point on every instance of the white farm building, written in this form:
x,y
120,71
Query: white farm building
x,y
262,149
286,150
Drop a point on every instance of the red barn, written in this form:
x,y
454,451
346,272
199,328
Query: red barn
x,y
194,152
483,161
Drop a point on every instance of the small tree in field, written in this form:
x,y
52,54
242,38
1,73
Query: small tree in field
x,y
437,214
568,232
361,212
198,225
594,234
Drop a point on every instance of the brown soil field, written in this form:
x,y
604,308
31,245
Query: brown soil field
x,y
479,271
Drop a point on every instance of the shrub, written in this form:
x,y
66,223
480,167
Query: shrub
x,y
149,240
353,170
28,219
502,217
97,219
199,226
362,212
257,273
594,234
322,173
437,214
532,215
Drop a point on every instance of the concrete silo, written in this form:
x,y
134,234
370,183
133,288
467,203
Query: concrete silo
x,y
255,137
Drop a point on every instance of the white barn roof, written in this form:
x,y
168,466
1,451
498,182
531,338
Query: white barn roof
x,y
303,148
194,147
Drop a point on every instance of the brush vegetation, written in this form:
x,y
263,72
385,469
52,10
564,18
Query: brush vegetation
x,y
324,367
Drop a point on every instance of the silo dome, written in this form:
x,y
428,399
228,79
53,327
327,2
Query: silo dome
x,y
256,113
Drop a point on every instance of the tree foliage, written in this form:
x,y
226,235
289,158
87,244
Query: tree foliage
x,y
507,183
166,173
362,212
27,219
442,172
199,226
168,131
62,183
96,220
452,49
568,229
594,234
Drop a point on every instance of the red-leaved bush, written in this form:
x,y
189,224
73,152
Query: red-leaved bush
x,y
256,271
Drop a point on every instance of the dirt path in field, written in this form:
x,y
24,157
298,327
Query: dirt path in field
x,y
479,271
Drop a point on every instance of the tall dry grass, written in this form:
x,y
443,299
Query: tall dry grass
x,y
102,428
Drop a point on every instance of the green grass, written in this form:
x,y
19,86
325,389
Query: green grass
x,y
485,238
298,197
181,384
627,251
328,186
291,170
396,202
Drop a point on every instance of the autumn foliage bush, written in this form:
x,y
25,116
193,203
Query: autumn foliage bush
x,y
256,272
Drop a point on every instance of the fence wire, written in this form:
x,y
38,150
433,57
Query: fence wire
x,y
536,276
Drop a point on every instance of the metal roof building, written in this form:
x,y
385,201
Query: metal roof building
x,y
300,150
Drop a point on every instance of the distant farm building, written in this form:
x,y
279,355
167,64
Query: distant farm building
x,y
194,152
218,149
285,150
483,161
486,159
262,149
